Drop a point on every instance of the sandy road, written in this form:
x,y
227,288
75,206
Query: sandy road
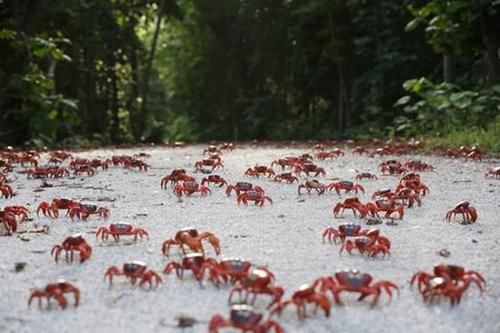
x,y
286,237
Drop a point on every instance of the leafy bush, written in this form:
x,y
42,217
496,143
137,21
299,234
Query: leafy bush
x,y
444,107
182,128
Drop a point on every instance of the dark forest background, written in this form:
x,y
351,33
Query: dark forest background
x,y
126,71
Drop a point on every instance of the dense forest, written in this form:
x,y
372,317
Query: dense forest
x,y
82,72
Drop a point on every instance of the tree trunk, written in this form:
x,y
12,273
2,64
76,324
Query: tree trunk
x,y
114,104
490,24
448,67
341,104
89,93
134,94
141,119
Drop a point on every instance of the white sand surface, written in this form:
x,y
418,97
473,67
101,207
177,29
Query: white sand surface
x,y
285,237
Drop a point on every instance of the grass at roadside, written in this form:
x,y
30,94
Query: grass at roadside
x,y
487,139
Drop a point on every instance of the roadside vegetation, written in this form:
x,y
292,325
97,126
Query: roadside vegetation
x,y
108,72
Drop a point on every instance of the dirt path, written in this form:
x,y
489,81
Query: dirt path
x,y
286,237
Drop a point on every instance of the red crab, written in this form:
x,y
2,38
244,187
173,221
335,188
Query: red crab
x,y
385,193
355,281
188,188
451,153
227,270
253,195
382,151
323,155
39,172
353,230
392,167
120,229
309,168
285,162
243,187
387,206
3,178
56,290
134,270
193,239
337,152
350,203
214,164
372,246
6,166
417,165
448,280
77,162
319,146
360,150
464,208
212,150
287,176
258,281
55,160
490,172
244,318
52,172
346,185
415,185
407,196
75,243
58,172
120,159
85,168
474,155
83,211
215,157
216,179
60,155
32,160
366,175
176,176
410,176
135,163
437,287
259,170
20,212
310,185
52,209
227,146
193,262
454,273
10,215
6,191
306,294
96,163
9,221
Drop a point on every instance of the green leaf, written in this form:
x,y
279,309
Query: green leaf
x,y
52,114
70,103
403,100
412,25
7,34
408,85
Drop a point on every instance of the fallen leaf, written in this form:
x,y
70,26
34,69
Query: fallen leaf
x,y
20,266
23,238
444,253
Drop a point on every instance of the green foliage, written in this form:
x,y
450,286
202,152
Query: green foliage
x,y
46,113
445,107
487,138
84,71
183,129
446,23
